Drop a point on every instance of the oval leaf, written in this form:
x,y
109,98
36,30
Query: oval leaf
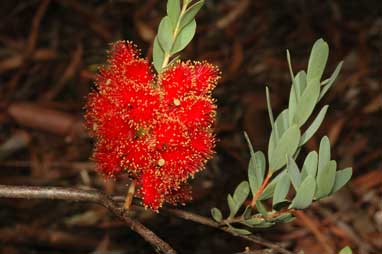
x,y
173,11
314,126
158,56
216,214
281,190
256,167
310,165
307,102
325,179
324,153
190,13
304,194
342,177
184,37
317,60
294,173
331,80
286,147
165,34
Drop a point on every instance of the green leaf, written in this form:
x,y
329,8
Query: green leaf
x,y
331,80
256,171
307,102
346,250
261,208
173,11
269,190
190,13
265,224
256,167
283,217
270,112
239,231
300,83
314,126
304,194
233,207
165,34
324,153
158,55
239,196
247,212
216,214
252,222
184,37
317,60
294,173
280,126
342,177
310,165
292,106
281,190
325,179
290,66
285,147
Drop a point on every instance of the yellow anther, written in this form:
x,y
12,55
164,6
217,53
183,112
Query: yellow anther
x,y
161,162
176,102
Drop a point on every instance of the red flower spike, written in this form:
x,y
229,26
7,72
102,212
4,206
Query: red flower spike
x,y
206,77
196,111
158,129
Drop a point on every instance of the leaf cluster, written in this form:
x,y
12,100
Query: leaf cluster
x,y
175,31
317,178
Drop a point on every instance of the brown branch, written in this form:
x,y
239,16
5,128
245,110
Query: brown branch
x,y
93,196
210,223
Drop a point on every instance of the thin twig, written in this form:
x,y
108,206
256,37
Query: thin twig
x,y
210,223
93,196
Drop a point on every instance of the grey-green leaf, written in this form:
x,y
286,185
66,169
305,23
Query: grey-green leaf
x,y
317,60
256,167
269,190
331,80
233,208
190,13
325,179
269,107
304,194
165,34
281,190
324,153
314,126
294,173
342,177
256,171
184,37
216,214
239,231
285,147
173,11
261,208
239,196
158,55
346,250
307,102
310,165
253,221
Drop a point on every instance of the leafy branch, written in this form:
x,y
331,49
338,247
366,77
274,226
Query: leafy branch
x,y
316,179
175,32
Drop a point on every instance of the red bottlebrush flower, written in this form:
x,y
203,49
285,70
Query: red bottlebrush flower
x,y
157,129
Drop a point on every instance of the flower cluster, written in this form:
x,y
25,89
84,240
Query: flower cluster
x,y
157,128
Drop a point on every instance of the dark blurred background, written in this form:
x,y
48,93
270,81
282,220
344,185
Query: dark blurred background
x,y
49,53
